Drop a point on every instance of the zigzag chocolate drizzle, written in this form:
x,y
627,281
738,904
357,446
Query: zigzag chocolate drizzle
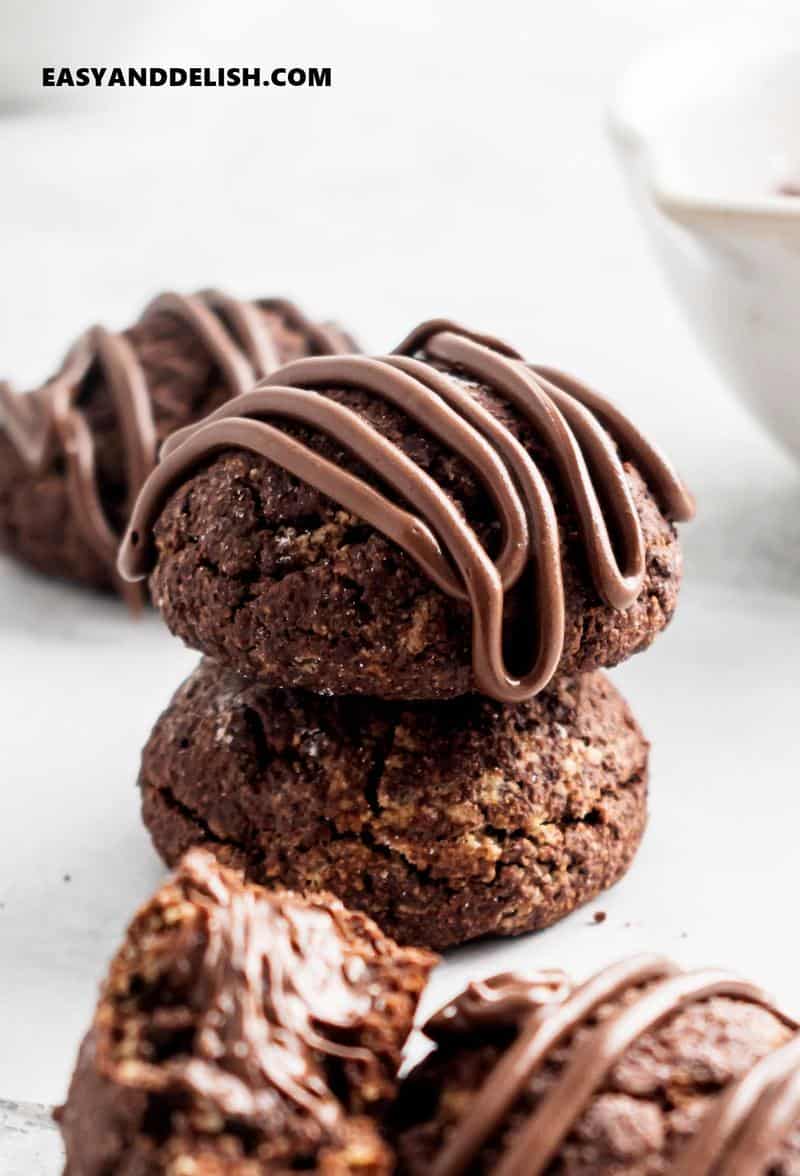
x,y
566,415
738,1136
49,420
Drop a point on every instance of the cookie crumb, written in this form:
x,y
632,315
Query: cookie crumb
x,y
599,917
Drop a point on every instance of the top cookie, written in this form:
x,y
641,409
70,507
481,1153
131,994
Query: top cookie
x,y
74,454
442,520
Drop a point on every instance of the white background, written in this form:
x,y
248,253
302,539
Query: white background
x,y
458,166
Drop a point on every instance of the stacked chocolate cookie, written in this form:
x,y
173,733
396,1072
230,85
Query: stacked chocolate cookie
x,y
75,453
406,575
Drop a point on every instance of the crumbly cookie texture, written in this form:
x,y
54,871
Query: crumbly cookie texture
x,y
444,822
272,578
37,521
640,1119
242,1032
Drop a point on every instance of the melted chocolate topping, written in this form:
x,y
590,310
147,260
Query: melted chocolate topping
x,y
576,424
277,983
748,1122
49,421
500,1000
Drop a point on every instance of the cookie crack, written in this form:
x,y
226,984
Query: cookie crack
x,y
372,787
190,815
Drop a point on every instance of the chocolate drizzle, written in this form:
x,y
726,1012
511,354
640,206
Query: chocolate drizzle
x,y
275,987
49,421
572,421
748,1122
499,1000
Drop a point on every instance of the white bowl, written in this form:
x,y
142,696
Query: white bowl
x,y
708,131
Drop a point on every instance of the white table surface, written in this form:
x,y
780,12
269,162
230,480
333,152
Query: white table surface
x,y
458,167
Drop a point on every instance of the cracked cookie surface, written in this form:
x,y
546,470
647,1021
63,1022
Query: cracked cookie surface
x,y
443,823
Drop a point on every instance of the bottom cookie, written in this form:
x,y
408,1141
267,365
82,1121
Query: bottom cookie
x,y
444,822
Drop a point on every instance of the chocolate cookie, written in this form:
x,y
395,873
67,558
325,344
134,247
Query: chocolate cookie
x,y
443,822
74,454
642,1071
442,520
241,1032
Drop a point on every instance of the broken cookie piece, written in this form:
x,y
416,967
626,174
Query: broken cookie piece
x,y
242,1032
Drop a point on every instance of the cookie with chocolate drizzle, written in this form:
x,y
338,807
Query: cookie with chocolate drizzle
x,y
441,520
443,822
644,1068
241,1031
75,453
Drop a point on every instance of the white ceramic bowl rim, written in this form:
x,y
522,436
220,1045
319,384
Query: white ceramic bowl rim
x,y
713,58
